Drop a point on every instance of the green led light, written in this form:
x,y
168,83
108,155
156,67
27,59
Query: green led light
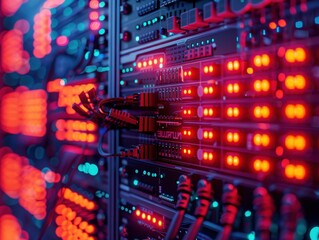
x,y
102,31
162,17
177,182
137,38
251,236
148,173
90,69
87,55
122,82
215,204
96,52
122,208
102,17
248,213
136,170
314,233
102,4
149,22
133,208
144,24
135,182
137,27
144,172
131,69
123,70
134,64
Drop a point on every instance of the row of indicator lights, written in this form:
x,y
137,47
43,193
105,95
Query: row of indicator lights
x,y
71,226
75,136
291,171
94,15
292,83
151,62
296,142
148,217
75,125
24,111
296,111
78,199
291,55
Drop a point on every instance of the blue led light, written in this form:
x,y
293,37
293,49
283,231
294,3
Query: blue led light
x,y
248,213
215,204
299,24
102,31
102,4
135,182
137,38
317,20
314,233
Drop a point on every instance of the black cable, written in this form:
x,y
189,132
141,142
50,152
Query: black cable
x,y
184,190
100,143
205,194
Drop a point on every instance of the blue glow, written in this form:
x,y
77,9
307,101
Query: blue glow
x,y
251,236
67,12
314,233
299,24
317,20
137,38
135,182
248,213
215,204
102,4
102,18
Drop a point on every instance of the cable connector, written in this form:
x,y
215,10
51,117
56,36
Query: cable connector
x,y
290,214
142,151
184,190
231,204
205,195
264,208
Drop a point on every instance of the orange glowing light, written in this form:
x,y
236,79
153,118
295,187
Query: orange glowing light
x,y
208,112
272,25
233,112
233,88
295,55
232,137
138,213
261,165
295,142
10,227
208,156
250,70
94,4
297,171
282,23
160,223
94,15
295,111
261,112
143,215
154,220
232,160
208,134
297,82
261,85
262,140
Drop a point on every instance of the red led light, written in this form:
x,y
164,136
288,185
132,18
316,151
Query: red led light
x,y
94,16
208,156
233,112
261,85
261,112
62,41
295,82
187,151
298,55
24,112
233,88
94,4
261,165
160,223
208,90
139,64
295,111
187,133
282,23
208,134
96,25
188,92
154,220
272,25
295,171
209,69
232,160
42,33
188,112
232,137
261,140
143,215
295,142
233,65
262,60
208,112
149,217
